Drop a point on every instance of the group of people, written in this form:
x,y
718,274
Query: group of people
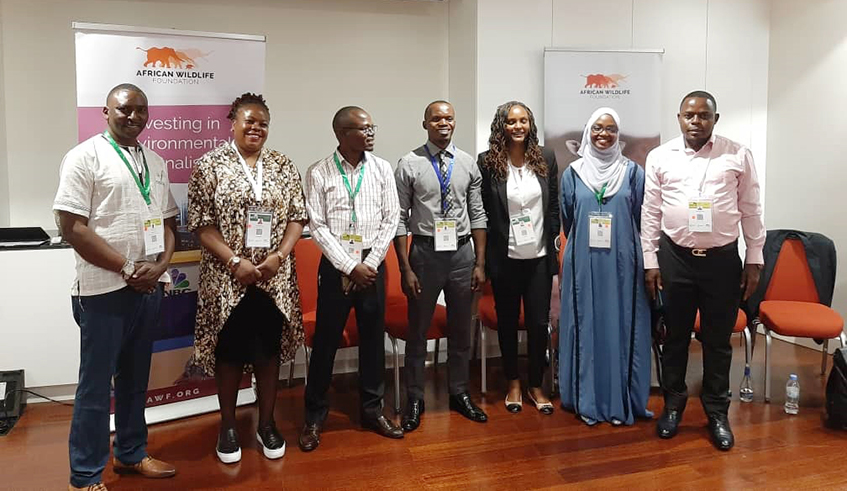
x,y
668,233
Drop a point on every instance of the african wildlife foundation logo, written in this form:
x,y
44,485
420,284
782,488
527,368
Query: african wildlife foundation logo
x,y
603,86
168,65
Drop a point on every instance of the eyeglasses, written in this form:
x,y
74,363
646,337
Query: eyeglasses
x,y
367,130
612,130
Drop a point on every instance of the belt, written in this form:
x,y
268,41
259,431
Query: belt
x,y
430,241
702,252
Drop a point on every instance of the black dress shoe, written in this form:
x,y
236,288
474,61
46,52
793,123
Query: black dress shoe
x,y
465,406
310,437
383,426
668,423
721,433
412,416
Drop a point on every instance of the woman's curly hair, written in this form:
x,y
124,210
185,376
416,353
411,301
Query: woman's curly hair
x,y
498,147
246,99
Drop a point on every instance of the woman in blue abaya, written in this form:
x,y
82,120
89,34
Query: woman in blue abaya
x,y
604,342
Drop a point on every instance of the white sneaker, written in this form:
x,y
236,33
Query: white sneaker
x,y
228,449
273,444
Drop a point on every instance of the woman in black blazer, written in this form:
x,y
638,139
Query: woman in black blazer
x,y
520,191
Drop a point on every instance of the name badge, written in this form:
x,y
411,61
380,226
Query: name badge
x,y
445,235
154,234
259,223
600,230
522,229
352,246
700,215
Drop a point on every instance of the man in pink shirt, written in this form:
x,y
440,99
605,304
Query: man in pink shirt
x,y
699,187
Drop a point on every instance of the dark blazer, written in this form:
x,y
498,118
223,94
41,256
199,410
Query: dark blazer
x,y
820,254
497,208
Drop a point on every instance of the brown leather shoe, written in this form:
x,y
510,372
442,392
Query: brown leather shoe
x,y
91,487
310,437
383,426
148,467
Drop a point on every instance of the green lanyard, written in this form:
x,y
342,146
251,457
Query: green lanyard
x,y
350,191
143,185
599,194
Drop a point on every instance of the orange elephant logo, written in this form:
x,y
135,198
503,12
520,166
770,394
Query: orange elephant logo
x,y
600,81
167,57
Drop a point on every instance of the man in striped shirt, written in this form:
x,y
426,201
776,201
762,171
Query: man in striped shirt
x,y
353,210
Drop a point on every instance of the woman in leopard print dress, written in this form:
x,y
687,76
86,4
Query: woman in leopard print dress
x,y
246,206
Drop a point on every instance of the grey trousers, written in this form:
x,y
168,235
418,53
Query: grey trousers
x,y
437,271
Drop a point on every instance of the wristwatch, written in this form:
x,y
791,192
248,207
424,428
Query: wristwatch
x,y
128,269
233,263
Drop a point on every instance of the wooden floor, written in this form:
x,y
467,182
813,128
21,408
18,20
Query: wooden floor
x,y
527,450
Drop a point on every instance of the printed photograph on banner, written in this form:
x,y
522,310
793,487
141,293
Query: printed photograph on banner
x,y
576,83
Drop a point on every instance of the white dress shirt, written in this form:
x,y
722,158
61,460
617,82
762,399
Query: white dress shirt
x,y
95,183
721,170
330,208
523,192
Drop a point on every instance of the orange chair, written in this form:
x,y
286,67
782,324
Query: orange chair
x,y
397,318
307,255
486,317
791,306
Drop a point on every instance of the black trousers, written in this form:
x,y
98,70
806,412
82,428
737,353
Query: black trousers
x,y
526,280
711,285
333,308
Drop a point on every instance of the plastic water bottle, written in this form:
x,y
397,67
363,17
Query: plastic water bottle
x,y
746,390
792,395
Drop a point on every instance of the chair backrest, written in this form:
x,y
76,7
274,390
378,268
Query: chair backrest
x,y
563,241
308,257
393,289
792,278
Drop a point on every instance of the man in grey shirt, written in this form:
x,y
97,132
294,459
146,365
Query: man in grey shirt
x,y
439,188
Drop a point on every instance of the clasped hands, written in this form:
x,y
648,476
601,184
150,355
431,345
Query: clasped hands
x,y
146,276
362,276
248,273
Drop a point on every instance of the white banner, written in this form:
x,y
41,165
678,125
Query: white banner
x,y
190,79
578,82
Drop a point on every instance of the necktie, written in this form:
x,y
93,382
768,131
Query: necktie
x,y
446,198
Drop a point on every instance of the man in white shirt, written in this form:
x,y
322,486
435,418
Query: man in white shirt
x,y
115,208
352,203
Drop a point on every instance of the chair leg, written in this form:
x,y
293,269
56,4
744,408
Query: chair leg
x,y
748,346
482,355
396,374
437,350
474,337
824,351
657,355
767,364
550,358
291,370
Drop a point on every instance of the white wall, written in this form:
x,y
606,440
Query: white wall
x,y
387,56
4,171
806,124
462,70
511,40
717,45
